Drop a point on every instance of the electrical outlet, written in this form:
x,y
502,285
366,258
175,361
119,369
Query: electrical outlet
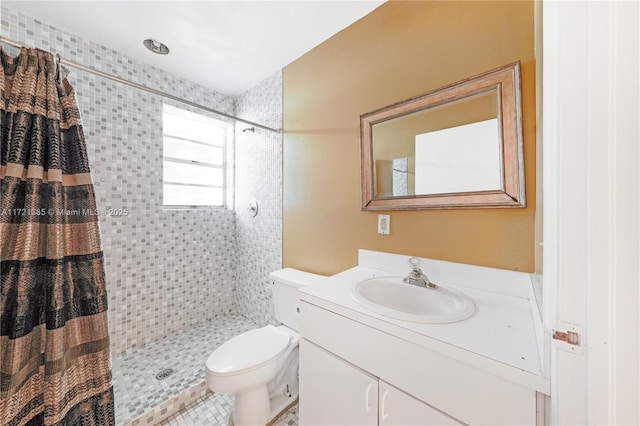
x,y
384,224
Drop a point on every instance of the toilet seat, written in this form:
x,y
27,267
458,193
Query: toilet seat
x,y
248,351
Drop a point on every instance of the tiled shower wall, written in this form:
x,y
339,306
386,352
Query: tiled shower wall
x,y
167,270
258,178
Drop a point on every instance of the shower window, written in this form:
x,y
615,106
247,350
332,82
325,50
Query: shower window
x,y
193,159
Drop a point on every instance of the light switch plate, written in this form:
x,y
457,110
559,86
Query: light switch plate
x,y
384,224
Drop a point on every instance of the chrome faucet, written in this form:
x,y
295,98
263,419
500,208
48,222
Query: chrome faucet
x,y
417,277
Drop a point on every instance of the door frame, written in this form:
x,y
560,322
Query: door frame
x,y
591,214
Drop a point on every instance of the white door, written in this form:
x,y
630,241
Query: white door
x,y
591,207
334,392
400,409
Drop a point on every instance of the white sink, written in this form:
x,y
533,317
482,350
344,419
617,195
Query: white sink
x,y
391,297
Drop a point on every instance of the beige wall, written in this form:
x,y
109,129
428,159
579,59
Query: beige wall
x,y
400,50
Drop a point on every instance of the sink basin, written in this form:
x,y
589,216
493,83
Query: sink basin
x,y
391,297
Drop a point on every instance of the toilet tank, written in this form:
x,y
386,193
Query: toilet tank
x,y
285,284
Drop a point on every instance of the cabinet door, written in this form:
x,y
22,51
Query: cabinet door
x,y
400,409
334,392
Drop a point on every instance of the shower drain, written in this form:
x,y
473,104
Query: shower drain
x,y
164,373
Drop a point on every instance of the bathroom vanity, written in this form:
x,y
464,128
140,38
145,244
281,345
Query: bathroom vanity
x,y
361,367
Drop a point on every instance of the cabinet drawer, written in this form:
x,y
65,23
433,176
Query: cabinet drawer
x,y
460,390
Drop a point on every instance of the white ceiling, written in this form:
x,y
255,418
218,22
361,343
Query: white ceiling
x,y
228,46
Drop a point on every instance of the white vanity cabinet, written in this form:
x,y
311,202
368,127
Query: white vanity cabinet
x,y
335,392
354,374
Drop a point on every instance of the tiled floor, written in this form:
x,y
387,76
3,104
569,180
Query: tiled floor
x,y
138,392
214,410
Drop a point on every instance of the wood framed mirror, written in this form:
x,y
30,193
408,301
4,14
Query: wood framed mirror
x,y
459,146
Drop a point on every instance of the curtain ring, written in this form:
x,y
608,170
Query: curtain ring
x,y
58,73
61,71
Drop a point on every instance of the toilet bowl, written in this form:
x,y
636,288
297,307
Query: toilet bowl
x,y
260,367
247,364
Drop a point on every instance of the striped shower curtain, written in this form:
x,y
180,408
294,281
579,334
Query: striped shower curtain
x,y
54,346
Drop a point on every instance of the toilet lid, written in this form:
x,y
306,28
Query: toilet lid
x,y
248,351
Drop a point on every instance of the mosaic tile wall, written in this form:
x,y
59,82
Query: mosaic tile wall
x,y
166,270
258,177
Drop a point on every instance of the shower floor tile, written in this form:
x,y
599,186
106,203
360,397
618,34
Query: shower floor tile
x,y
136,389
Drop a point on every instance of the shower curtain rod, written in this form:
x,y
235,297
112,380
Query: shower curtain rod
x,y
145,88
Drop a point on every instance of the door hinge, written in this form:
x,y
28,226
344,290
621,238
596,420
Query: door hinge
x,y
568,337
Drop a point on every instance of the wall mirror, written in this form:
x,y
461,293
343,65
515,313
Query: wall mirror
x,y
459,146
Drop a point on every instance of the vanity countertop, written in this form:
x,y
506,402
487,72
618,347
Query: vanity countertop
x,y
502,337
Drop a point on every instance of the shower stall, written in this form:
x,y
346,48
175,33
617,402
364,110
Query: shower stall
x,y
179,281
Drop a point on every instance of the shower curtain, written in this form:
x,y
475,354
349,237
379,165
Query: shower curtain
x,y
54,348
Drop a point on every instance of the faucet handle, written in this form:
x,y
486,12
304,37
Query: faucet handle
x,y
414,262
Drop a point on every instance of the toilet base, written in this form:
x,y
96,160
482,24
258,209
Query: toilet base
x,y
254,408
281,403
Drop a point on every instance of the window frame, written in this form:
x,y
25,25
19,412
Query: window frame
x,y
226,128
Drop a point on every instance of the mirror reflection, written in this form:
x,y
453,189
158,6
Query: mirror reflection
x,y
453,147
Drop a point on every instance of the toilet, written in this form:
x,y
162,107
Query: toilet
x,y
260,367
